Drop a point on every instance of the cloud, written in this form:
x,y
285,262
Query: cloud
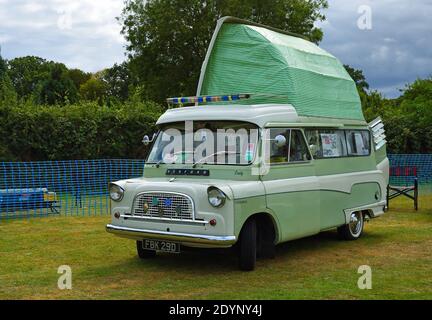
x,y
82,34
397,49
4,38
85,34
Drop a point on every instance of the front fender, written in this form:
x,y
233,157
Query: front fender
x,y
250,199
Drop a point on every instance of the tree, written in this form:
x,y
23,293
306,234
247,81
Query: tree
x,y
118,81
78,77
168,39
94,90
8,96
416,107
3,66
58,88
372,104
27,73
407,119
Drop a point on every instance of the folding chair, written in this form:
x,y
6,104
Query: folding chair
x,y
408,175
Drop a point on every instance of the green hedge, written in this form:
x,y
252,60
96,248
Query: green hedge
x,y
85,131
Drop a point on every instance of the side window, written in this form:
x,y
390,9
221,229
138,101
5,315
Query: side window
x,y
333,143
279,153
358,142
325,143
298,150
293,150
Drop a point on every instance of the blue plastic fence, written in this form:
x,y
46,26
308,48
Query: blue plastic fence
x,y
31,189
79,187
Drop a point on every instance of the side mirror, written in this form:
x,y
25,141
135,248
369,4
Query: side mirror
x,y
146,140
280,141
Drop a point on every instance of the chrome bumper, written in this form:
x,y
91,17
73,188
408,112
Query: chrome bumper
x,y
139,234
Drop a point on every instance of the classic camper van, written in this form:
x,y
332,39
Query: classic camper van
x,y
273,147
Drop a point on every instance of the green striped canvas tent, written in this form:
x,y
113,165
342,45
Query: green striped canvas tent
x,y
277,67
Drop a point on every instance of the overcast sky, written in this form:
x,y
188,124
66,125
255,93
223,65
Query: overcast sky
x,y
393,48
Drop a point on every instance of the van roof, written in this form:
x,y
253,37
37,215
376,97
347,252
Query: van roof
x,y
276,67
262,115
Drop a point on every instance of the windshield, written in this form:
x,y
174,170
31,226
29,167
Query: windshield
x,y
205,142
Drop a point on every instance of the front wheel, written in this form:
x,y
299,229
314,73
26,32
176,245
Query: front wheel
x,y
354,229
248,246
143,253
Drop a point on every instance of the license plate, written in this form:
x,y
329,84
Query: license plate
x,y
160,245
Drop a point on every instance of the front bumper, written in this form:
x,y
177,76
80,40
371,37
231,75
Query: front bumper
x,y
184,238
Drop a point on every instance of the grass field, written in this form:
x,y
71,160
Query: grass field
x,y
67,204
397,246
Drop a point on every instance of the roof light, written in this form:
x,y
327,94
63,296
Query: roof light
x,y
206,99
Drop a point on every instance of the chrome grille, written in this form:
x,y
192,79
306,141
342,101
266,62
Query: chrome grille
x,y
163,205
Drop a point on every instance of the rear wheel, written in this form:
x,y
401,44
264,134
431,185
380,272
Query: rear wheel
x,y
354,229
248,246
143,253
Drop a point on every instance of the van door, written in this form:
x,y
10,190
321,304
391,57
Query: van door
x,y
292,189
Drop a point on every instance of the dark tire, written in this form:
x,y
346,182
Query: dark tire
x,y
266,248
248,246
144,254
354,229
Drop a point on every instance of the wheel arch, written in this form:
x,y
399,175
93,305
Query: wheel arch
x,y
265,220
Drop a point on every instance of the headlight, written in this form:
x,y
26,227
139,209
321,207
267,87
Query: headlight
x,y
116,192
216,197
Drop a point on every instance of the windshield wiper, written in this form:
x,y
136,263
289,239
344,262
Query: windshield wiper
x,y
201,160
159,163
175,153
214,154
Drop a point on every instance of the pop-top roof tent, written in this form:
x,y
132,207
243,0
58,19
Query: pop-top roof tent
x,y
277,67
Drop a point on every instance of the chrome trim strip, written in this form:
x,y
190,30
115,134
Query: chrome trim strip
x,y
171,236
168,192
154,219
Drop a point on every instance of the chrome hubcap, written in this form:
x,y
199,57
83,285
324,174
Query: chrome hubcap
x,y
356,223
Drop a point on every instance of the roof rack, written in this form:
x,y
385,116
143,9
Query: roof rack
x,y
196,100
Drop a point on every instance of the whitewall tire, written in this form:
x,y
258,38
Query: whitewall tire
x,y
354,229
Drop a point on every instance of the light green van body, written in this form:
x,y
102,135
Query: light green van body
x,y
301,199
291,83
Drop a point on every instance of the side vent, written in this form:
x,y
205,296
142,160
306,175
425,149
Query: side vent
x,y
378,133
